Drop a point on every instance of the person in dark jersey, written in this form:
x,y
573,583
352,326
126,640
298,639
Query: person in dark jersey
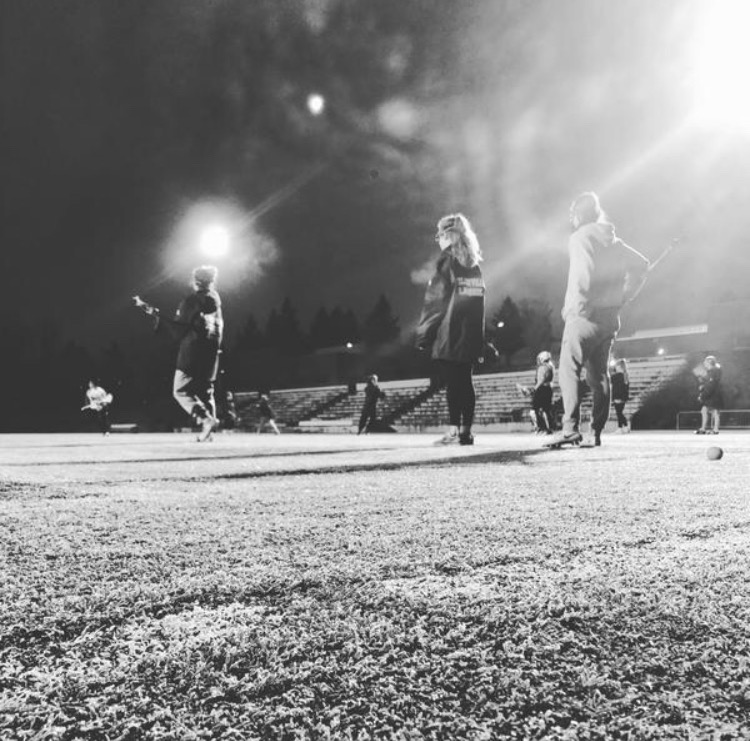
x,y
266,415
451,325
373,394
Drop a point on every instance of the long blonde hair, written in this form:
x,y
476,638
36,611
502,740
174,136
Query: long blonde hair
x,y
464,243
621,366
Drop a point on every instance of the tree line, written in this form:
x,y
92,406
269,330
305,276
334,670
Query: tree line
x,y
48,375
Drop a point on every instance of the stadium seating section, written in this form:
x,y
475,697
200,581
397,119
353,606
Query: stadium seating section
x,y
413,405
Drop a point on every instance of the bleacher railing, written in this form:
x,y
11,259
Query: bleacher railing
x,y
730,419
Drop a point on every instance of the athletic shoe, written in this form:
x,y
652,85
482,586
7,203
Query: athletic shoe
x,y
450,438
466,439
207,427
594,440
564,438
699,432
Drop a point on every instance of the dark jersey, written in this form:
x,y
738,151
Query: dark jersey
x,y
452,320
620,388
709,390
200,319
373,393
264,409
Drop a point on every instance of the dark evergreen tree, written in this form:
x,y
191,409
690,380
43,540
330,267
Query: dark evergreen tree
x,y
536,325
250,338
351,327
239,360
320,329
338,327
507,330
76,367
292,340
273,329
116,374
380,326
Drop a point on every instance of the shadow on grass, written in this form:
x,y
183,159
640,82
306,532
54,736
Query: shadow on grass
x,y
484,458
189,458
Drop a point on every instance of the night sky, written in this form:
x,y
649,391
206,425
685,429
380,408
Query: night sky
x,y
128,126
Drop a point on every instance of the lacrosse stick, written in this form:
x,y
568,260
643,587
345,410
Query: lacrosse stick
x,y
674,243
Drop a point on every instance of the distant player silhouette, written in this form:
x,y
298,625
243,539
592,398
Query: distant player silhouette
x,y
373,394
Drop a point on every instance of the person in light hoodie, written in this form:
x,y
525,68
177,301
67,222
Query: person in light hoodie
x,y
604,275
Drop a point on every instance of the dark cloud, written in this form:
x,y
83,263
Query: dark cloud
x,y
120,118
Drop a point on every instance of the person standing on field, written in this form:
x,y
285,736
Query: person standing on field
x,y
710,396
541,396
198,325
451,326
98,400
200,322
373,394
604,274
266,415
620,383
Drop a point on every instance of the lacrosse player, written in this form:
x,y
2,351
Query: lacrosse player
x,y
604,274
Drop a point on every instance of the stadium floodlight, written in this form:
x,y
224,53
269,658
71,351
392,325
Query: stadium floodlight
x,y
215,241
316,103
500,325
660,351
721,65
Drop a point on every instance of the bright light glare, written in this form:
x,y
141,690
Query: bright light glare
x,y
722,64
316,103
215,241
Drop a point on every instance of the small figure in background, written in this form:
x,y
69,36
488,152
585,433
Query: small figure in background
x,y
540,414
373,394
620,384
265,412
710,396
98,401
541,397
229,416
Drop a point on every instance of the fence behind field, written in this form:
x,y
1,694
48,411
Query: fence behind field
x,y
731,419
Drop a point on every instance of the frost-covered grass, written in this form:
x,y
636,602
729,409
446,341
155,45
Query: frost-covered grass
x,y
393,595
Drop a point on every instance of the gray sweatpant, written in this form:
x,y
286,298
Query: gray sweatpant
x,y
195,395
586,343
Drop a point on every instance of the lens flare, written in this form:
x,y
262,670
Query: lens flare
x,y
215,241
721,64
316,103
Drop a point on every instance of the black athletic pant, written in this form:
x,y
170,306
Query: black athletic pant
x,y
542,405
459,389
367,416
102,417
619,409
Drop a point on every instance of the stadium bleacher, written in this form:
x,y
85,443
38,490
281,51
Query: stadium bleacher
x,y
289,405
499,401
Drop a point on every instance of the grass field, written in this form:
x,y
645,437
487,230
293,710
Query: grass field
x,y
343,587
